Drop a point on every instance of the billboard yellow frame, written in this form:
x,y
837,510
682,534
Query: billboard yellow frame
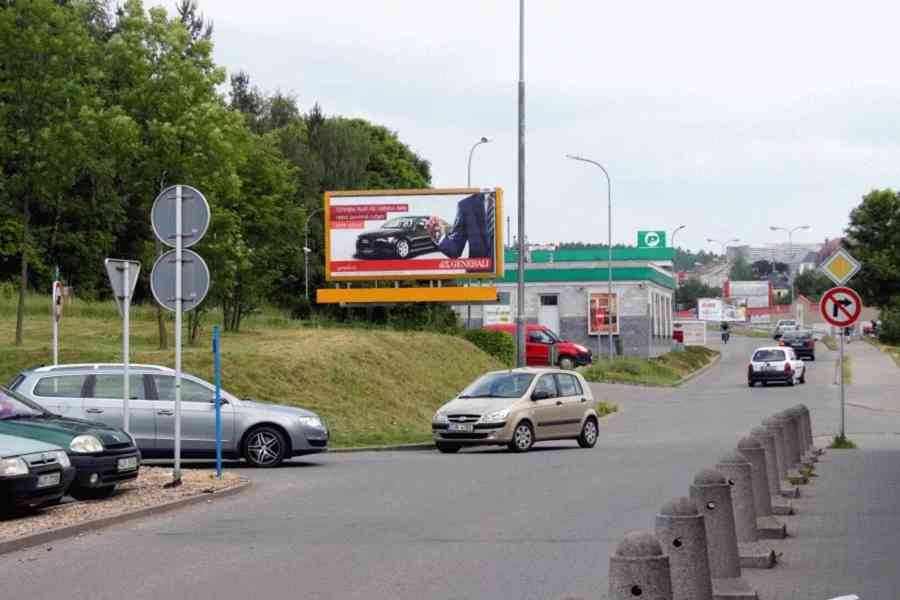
x,y
498,236
454,295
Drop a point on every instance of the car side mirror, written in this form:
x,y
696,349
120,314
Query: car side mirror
x,y
540,395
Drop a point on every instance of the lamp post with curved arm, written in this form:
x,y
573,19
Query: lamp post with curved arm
x,y
483,140
609,264
307,250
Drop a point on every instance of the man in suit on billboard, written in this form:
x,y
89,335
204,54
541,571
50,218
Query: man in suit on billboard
x,y
474,227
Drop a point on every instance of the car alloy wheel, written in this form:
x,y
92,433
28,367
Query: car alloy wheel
x,y
264,448
402,248
589,434
523,438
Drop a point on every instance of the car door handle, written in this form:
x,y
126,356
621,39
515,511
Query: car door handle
x,y
584,399
167,413
94,411
559,403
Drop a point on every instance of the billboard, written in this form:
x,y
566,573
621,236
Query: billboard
x,y
499,314
603,310
715,309
414,234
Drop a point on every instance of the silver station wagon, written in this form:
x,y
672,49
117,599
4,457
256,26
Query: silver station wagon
x,y
264,434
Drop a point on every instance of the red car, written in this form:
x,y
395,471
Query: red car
x,y
542,344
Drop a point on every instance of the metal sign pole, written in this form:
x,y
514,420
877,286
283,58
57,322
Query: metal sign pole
x,y
126,308
176,475
217,358
54,318
841,360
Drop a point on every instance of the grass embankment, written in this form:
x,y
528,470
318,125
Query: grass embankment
x,y
372,386
892,351
667,370
753,333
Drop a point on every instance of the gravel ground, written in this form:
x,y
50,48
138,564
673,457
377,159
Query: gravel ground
x,y
147,490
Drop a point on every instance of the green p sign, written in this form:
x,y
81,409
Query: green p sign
x,y
651,239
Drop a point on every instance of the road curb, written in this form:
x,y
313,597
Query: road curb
x,y
700,371
37,539
395,447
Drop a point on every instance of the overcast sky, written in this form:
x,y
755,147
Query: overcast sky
x,y
721,116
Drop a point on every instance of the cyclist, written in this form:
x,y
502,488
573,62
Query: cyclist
x,y
726,333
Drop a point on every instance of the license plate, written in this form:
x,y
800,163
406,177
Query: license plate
x,y
48,480
128,464
461,427
770,369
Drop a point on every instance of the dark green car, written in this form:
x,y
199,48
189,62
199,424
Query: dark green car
x,y
103,456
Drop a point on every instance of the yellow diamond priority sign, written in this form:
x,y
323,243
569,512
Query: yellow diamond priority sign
x,y
840,266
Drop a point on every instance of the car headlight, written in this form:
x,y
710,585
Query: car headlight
x,y
312,422
10,467
63,459
495,417
86,444
440,418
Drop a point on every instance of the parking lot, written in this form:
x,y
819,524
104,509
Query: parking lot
x,y
417,524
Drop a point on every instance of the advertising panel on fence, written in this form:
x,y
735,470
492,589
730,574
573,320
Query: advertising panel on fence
x,y
414,234
693,333
709,309
499,314
738,289
602,309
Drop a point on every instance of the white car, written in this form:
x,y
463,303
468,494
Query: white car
x,y
775,364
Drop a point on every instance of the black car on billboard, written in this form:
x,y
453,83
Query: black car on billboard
x,y
400,237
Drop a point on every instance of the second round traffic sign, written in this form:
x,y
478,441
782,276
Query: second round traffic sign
x,y
194,215
194,280
840,306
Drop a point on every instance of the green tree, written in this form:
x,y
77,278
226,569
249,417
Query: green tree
x,y
740,270
46,76
687,293
873,237
812,284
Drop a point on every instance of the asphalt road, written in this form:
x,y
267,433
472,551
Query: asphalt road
x,y
480,524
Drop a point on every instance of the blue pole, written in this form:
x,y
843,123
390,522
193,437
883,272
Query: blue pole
x,y
218,368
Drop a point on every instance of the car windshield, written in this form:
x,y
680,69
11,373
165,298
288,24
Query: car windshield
x,y
768,355
499,385
398,223
14,406
552,335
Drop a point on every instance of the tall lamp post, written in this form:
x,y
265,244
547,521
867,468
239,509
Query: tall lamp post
x,y
483,140
609,265
672,242
307,250
674,233
790,232
520,273
722,243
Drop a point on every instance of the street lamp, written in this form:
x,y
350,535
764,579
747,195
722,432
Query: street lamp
x,y
483,140
724,244
790,231
307,249
609,265
674,232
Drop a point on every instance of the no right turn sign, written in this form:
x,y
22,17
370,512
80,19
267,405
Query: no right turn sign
x,y
840,306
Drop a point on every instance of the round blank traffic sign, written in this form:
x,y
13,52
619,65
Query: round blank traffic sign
x,y
194,280
194,215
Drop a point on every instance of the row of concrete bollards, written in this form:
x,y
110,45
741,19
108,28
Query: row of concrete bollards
x,y
702,542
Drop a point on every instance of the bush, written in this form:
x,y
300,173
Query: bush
x,y
501,346
889,331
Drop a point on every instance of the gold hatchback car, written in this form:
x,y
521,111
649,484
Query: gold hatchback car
x,y
517,408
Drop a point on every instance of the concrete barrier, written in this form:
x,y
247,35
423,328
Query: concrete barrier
x,y
767,440
767,526
739,473
798,416
790,476
639,569
711,495
680,530
811,453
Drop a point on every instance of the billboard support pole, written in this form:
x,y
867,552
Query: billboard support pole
x,y
520,272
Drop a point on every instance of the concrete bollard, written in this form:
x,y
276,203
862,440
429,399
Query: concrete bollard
x,y
767,526
639,569
736,468
796,413
767,440
680,530
776,427
711,495
810,444
791,448
808,447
